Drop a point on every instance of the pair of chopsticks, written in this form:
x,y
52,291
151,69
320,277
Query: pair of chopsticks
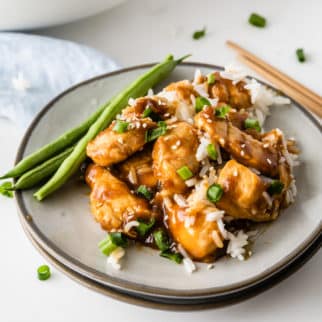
x,y
289,86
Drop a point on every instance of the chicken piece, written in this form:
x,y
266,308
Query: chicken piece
x,y
243,147
244,194
177,148
161,108
235,95
110,147
137,170
198,236
183,90
112,203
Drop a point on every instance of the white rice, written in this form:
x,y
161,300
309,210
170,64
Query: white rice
x,y
234,73
189,265
180,200
131,101
215,215
268,198
191,182
202,153
114,258
236,244
217,239
130,225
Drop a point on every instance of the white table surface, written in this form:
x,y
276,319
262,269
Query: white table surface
x,y
139,32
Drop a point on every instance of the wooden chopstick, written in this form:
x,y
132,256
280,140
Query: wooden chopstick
x,y
278,74
288,90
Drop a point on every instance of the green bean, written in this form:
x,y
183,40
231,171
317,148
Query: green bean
x,y
54,147
136,89
41,172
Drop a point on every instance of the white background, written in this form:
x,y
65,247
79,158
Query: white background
x,y
143,31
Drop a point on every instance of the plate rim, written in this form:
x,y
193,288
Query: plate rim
x,y
172,306
122,284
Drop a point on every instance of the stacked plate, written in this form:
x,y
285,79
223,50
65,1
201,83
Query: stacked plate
x,y
62,228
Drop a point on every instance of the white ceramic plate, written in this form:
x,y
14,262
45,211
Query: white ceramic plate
x,y
63,225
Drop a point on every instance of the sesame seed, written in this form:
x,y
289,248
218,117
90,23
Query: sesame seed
x,y
269,161
144,125
266,145
120,140
167,114
235,173
174,147
243,145
222,141
242,153
178,143
210,266
206,116
209,121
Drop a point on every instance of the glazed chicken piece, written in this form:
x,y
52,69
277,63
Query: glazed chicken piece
x,y
161,108
110,147
243,147
112,203
243,196
198,236
235,95
137,170
183,90
177,148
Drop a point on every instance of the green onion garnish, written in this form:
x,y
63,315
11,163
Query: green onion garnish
x,y
161,239
257,20
275,188
6,189
144,227
176,257
151,135
111,242
200,103
43,272
120,126
252,124
214,192
222,111
211,79
300,55
212,152
147,112
185,173
199,33
145,192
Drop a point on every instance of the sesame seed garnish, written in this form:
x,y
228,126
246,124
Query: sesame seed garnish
x,y
138,125
243,145
222,141
120,140
266,145
209,121
144,125
167,114
269,161
174,147
242,153
178,143
206,116
235,173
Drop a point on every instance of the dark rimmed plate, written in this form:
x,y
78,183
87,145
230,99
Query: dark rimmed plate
x,y
63,227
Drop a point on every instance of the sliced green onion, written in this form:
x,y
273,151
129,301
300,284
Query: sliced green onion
x,y
161,239
6,189
275,188
120,126
199,34
300,55
252,124
257,20
200,103
151,135
147,112
212,152
111,242
145,192
43,272
214,192
211,79
176,257
185,173
222,111
145,227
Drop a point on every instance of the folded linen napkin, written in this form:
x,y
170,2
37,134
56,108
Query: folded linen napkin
x,y
34,69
